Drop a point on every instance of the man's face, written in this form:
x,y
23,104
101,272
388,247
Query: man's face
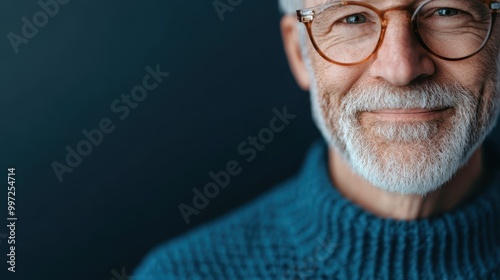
x,y
405,120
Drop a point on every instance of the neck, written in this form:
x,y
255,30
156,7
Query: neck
x,y
462,186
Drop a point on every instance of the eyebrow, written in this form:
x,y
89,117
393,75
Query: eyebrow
x,y
375,3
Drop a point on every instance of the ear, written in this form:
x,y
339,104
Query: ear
x,y
290,35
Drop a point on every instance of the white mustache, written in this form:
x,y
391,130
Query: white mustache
x,y
430,95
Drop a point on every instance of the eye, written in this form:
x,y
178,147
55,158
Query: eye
x,y
447,12
355,19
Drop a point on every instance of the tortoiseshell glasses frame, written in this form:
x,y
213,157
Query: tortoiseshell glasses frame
x,y
307,16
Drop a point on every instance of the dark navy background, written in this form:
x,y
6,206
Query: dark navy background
x,y
122,200
225,79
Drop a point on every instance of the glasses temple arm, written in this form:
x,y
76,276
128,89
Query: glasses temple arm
x,y
306,16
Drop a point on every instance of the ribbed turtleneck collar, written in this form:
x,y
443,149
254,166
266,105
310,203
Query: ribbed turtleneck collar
x,y
355,244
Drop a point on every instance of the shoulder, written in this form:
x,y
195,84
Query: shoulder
x,y
240,244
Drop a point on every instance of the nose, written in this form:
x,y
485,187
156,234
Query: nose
x,y
400,58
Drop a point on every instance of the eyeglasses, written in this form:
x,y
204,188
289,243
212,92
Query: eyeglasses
x,y
349,33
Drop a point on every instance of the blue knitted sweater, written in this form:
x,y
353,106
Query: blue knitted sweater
x,y
304,229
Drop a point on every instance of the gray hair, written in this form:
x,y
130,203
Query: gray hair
x,y
290,6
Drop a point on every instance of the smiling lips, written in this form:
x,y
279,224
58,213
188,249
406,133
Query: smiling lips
x,y
417,114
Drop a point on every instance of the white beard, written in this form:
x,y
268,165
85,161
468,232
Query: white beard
x,y
407,158
404,158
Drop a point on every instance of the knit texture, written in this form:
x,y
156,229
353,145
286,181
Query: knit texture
x,y
304,229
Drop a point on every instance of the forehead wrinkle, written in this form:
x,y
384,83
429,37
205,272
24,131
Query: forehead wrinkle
x,y
375,3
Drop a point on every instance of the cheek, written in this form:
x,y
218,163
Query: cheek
x,y
473,73
478,74
334,81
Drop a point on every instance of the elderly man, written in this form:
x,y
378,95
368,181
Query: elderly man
x,y
406,187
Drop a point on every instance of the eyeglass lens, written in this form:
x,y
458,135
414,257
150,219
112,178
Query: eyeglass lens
x,y
450,28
